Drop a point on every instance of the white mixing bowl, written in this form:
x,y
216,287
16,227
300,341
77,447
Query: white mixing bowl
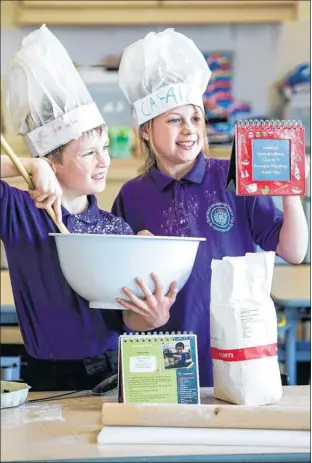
x,y
97,267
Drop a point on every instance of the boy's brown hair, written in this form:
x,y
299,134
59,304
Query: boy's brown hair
x,y
57,154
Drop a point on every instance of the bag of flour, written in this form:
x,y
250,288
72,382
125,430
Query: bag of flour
x,y
243,329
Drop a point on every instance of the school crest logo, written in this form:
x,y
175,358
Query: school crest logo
x,y
220,217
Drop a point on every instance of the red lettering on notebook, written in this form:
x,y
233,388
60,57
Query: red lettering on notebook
x,y
248,353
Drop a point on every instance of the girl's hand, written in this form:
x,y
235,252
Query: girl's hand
x,y
307,169
47,191
151,313
145,233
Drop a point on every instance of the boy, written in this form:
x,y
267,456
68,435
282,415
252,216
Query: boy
x,y
69,346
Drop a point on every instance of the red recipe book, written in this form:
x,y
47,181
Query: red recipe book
x,y
268,158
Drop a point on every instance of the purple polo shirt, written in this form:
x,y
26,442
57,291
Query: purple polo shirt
x,y
55,322
198,205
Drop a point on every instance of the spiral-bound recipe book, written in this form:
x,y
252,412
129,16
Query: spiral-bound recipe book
x,y
268,158
158,368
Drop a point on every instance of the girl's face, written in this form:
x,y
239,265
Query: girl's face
x,y
178,135
85,164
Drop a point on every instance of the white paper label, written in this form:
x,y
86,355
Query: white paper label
x,y
164,99
71,126
143,364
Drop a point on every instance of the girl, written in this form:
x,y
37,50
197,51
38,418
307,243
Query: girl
x,y
182,192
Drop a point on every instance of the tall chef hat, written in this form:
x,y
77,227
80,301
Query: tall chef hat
x,y
48,102
162,71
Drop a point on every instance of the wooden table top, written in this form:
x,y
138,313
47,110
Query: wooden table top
x,y
67,429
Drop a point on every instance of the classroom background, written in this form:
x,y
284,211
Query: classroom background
x,y
260,62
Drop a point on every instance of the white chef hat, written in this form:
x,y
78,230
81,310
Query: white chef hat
x,y
48,102
162,71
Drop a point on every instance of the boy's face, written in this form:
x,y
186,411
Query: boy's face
x,y
179,350
85,164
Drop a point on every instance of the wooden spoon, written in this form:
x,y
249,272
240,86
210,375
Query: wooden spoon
x,y
16,161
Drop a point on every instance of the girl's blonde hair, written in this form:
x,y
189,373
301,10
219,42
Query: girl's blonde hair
x,y
147,148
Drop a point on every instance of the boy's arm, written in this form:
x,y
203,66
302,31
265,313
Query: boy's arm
x,y
47,191
8,169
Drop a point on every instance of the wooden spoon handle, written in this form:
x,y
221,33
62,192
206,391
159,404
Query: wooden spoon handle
x,y
19,166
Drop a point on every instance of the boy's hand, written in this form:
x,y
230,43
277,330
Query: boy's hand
x,y
47,191
152,312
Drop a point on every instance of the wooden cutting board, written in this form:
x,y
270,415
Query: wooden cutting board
x,y
291,413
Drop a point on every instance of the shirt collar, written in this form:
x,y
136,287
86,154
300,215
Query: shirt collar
x,y
88,216
195,175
